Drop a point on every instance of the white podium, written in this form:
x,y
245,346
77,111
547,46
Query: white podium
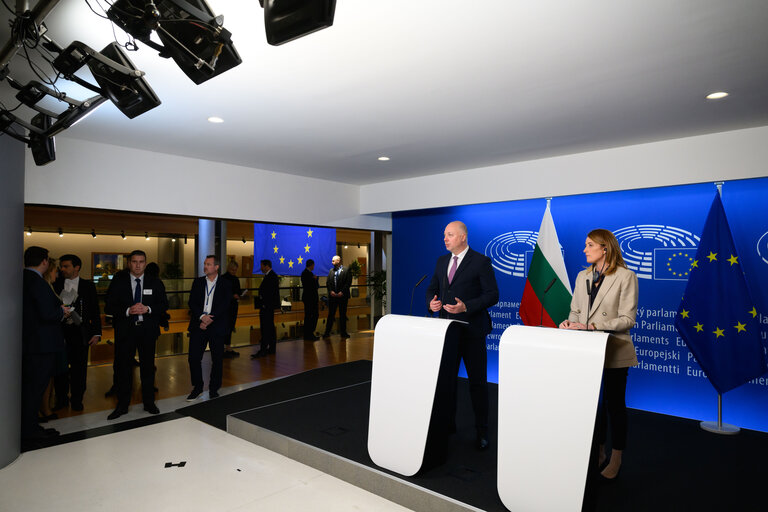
x,y
549,384
411,391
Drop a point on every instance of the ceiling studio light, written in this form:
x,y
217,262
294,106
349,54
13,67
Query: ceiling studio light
x,y
383,159
286,20
717,95
215,120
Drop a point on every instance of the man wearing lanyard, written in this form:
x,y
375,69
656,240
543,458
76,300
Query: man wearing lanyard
x,y
209,303
136,302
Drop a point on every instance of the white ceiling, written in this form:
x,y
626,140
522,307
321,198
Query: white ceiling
x,y
442,85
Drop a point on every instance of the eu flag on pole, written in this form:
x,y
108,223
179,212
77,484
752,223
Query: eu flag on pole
x,y
289,248
717,318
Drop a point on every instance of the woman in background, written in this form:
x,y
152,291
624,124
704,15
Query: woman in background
x,y
605,299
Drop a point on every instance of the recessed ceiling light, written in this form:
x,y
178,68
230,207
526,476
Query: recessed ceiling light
x,y
383,159
717,95
216,120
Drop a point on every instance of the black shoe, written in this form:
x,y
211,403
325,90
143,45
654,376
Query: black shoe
x,y
77,406
229,354
271,351
260,353
119,411
194,395
345,335
213,394
109,393
60,404
151,409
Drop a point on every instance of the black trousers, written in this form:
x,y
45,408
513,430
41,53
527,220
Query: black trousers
x,y
473,352
613,408
268,330
127,341
311,315
198,339
232,321
333,304
72,382
36,372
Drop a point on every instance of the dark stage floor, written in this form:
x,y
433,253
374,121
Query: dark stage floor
x,y
670,463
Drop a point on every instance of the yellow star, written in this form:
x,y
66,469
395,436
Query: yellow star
x,y
753,312
309,233
306,248
684,313
274,235
695,264
733,259
275,249
718,332
740,327
299,259
699,327
712,256
282,260
290,263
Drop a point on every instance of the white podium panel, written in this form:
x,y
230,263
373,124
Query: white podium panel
x,y
407,352
549,383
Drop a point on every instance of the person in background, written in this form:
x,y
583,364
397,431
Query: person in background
x,y
234,283
310,298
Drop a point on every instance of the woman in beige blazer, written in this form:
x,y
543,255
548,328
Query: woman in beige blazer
x,y
605,299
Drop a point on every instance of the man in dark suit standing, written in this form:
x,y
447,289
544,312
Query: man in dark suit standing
x,y
234,282
269,293
310,298
137,303
209,302
81,330
42,339
463,287
338,284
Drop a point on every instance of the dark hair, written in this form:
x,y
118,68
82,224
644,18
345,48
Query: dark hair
x,y
152,269
34,256
76,261
608,242
137,252
215,259
310,262
268,263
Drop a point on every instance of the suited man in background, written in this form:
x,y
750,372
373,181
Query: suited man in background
x,y
42,340
234,282
137,303
310,298
81,330
209,304
269,293
463,287
338,284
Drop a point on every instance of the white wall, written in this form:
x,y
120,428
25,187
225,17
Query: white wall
x,y
717,157
91,175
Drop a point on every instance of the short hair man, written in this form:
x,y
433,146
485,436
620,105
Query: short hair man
x,y
463,287
234,282
338,283
310,298
269,292
80,332
42,341
209,303
137,303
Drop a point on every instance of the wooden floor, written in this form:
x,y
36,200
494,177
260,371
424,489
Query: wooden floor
x,y
173,379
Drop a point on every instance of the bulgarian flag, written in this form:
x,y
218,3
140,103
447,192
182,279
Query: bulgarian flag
x,y
546,273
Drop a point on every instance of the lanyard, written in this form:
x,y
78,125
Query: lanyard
x,y
208,295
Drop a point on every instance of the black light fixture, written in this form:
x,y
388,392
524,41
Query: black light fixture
x,y
286,20
43,148
146,235
93,233
29,231
61,233
189,32
122,234
185,239
243,239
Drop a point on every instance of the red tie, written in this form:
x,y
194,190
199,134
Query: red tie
x,y
452,272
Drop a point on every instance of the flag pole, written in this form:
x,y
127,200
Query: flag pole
x,y
718,427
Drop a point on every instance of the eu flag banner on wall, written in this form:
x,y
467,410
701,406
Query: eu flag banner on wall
x,y
717,318
289,248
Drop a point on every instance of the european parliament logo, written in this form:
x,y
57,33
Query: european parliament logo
x,y
511,252
661,253
762,247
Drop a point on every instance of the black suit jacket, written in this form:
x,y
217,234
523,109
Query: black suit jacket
x,y
41,316
269,291
342,285
474,283
310,286
222,297
86,305
120,298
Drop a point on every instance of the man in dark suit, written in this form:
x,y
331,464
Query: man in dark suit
x,y
463,287
42,341
209,303
338,284
234,282
81,330
137,303
269,293
310,298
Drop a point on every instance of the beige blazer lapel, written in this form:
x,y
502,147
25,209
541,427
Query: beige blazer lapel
x,y
608,282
